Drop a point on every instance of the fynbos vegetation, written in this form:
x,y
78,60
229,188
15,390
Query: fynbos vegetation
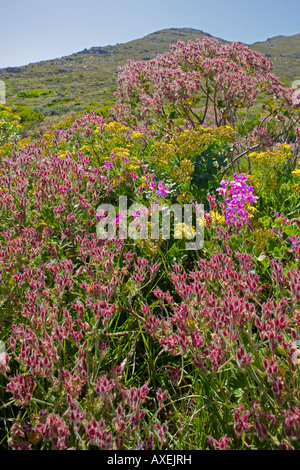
x,y
135,342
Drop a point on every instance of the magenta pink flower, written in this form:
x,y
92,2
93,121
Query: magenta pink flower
x,y
241,418
236,194
120,216
108,164
162,190
152,185
222,444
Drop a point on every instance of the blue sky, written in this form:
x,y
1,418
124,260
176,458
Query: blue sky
x,y
35,30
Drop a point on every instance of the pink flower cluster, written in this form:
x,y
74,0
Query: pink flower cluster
x,y
237,194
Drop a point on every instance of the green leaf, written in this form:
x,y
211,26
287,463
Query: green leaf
x,y
265,221
265,263
291,230
220,104
173,115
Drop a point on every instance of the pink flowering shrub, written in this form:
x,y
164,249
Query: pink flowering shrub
x,y
203,82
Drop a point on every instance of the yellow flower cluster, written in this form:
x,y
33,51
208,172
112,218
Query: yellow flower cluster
x,y
136,135
266,164
115,128
9,129
121,151
7,113
296,180
216,219
61,154
182,230
185,145
163,154
184,197
271,157
183,172
48,136
24,142
86,148
133,165
116,141
191,142
251,210
296,173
